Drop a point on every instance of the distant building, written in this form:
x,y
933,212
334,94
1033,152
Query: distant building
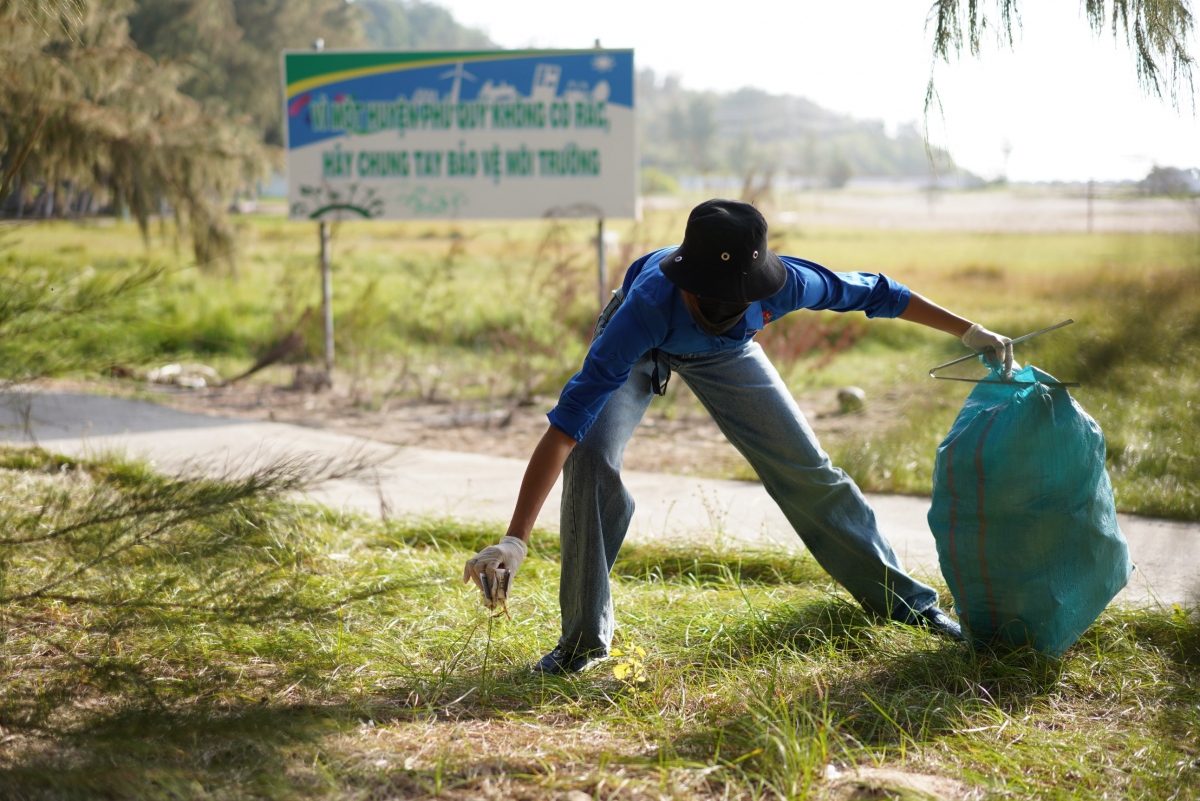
x,y
545,82
502,92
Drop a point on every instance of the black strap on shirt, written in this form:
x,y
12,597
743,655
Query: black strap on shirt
x,y
661,374
658,382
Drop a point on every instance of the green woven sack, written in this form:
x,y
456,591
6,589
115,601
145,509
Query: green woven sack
x,y
1023,516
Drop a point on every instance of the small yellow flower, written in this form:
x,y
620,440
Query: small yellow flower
x,y
629,670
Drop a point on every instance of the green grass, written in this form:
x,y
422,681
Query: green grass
x,y
503,310
259,648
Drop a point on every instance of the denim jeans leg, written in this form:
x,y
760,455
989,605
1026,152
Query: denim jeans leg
x,y
754,409
596,510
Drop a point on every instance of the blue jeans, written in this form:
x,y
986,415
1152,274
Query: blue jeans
x,y
742,391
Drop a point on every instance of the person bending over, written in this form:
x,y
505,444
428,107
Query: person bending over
x,y
695,310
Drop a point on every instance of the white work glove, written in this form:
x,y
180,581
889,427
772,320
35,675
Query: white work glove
x,y
990,344
493,569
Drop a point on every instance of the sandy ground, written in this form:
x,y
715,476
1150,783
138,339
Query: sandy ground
x,y
1028,208
386,480
686,443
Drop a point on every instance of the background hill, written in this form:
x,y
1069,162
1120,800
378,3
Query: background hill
x,y
231,51
751,133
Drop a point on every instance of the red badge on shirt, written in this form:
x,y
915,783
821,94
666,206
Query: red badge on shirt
x,y
766,317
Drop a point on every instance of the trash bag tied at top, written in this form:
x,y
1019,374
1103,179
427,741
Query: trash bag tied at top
x,y
1023,515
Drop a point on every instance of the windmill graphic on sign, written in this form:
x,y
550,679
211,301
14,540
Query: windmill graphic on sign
x,y
458,73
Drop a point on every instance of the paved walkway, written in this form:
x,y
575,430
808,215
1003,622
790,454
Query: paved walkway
x,y
472,486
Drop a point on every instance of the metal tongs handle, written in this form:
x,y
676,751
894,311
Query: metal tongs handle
x,y
1054,327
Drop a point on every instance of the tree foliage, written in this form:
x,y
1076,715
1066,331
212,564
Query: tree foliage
x,y
693,130
153,106
86,120
415,25
41,308
1158,32
229,49
122,535
1171,182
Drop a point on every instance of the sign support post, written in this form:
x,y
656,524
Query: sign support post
x,y
461,135
1091,196
601,263
327,298
318,46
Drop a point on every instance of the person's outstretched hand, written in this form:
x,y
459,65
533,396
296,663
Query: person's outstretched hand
x,y
493,568
981,340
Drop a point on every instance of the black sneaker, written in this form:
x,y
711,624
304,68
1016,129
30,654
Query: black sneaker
x,y
558,662
937,620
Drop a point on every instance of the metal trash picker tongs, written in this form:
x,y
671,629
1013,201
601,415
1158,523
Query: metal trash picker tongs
x,y
993,381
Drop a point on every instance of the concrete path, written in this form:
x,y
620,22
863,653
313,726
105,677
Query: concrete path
x,y
420,481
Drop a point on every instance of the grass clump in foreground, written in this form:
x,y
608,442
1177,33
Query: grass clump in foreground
x,y
267,649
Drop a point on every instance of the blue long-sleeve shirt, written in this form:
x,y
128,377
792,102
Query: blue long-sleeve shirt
x,y
653,315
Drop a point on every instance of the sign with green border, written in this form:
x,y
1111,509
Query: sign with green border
x,y
460,135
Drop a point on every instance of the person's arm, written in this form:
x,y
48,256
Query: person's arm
x,y
925,312
623,340
544,466
493,568
811,286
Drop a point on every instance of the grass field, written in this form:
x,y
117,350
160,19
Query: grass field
x,y
243,646
197,639
503,310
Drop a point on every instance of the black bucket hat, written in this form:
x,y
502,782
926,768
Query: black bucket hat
x,y
724,255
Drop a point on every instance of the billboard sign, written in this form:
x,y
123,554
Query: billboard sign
x,y
459,135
